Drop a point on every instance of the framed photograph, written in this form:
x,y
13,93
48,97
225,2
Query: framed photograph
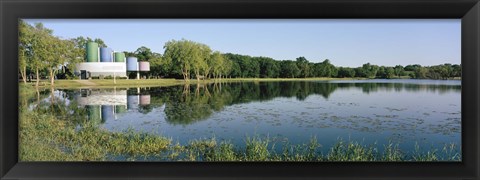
x,y
240,89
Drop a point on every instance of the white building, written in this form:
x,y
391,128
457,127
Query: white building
x,y
95,69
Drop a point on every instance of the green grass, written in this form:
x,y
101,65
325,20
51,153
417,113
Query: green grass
x,y
108,83
286,79
45,138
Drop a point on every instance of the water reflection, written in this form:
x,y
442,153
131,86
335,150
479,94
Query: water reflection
x,y
189,104
108,104
374,112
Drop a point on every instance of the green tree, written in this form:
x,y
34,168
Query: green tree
x,y
227,67
143,53
456,70
345,72
412,67
235,70
290,69
217,64
179,53
389,72
382,72
247,66
421,72
186,57
304,66
59,53
158,66
201,57
269,68
327,69
369,71
40,49
24,48
399,70
99,41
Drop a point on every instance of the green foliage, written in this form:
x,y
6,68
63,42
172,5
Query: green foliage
x,y
144,54
187,57
392,153
43,53
269,67
399,70
218,64
351,151
289,69
369,71
390,73
304,67
346,72
256,149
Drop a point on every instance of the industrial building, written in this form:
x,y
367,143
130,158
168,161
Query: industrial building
x,y
103,62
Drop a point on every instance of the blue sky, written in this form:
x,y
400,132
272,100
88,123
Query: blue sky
x,y
344,42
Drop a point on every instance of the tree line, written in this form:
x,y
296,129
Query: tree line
x,y
44,55
188,59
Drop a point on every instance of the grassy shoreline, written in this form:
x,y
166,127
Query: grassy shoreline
x,y
45,137
105,83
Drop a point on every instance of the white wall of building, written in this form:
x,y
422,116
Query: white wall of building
x,y
103,68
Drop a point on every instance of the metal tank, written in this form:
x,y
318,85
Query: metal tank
x,y
132,64
94,113
92,52
119,57
143,66
105,54
120,109
144,99
132,101
107,113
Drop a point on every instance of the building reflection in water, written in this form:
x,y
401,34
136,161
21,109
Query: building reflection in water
x,y
106,105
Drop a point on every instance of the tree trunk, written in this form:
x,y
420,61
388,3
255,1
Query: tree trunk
x,y
23,72
185,77
197,75
38,77
38,95
52,96
52,78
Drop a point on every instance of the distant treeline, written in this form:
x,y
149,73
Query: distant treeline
x,y
187,59
45,55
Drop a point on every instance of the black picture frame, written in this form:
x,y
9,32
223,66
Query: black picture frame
x,y
466,10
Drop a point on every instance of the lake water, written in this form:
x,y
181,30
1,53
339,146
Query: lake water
x,y
407,112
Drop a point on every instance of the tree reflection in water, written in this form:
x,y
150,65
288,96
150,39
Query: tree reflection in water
x,y
192,103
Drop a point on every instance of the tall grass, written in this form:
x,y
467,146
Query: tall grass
x,y
44,137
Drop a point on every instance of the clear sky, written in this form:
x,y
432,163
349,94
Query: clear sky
x,y
344,42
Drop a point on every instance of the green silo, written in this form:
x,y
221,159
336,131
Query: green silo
x,y
92,52
94,113
120,109
119,57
